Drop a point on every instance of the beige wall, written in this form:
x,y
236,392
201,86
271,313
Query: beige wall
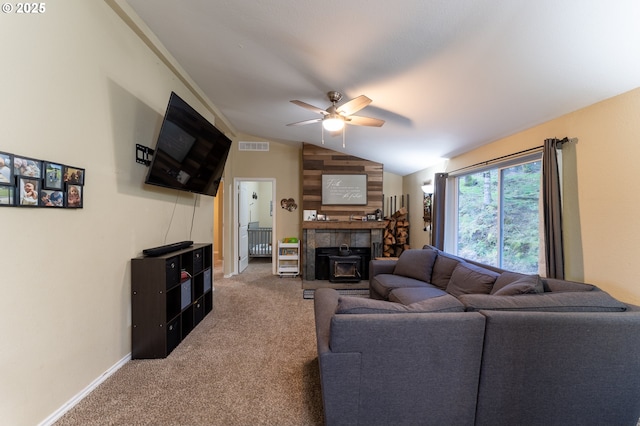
x,y
601,209
282,163
412,185
80,88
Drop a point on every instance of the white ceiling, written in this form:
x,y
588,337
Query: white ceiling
x,y
446,75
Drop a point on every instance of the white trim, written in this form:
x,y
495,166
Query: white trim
x,y
56,415
236,185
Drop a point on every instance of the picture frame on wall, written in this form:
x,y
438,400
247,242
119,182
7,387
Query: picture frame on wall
x,y
73,175
51,198
7,196
28,167
31,182
53,173
27,192
74,196
344,189
6,169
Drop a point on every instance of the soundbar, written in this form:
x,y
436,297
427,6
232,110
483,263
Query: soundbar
x,y
160,250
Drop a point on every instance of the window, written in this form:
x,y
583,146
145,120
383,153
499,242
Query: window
x,y
498,218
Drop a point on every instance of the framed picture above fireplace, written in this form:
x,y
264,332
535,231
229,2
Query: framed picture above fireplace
x,y
344,189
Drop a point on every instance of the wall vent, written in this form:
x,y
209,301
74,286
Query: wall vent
x,y
253,146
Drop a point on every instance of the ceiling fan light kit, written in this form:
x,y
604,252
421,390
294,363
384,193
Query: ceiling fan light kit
x,y
333,123
335,118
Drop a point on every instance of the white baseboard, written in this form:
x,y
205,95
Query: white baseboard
x,y
86,391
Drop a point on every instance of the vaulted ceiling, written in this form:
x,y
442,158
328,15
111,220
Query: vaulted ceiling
x,y
447,76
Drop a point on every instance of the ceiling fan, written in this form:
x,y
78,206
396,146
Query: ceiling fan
x,y
335,117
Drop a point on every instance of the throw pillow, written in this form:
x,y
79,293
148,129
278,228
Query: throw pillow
x,y
416,263
362,305
506,278
529,284
471,279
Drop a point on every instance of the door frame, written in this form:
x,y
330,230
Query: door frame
x,y
236,251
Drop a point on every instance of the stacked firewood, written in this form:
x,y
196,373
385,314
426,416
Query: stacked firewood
x,y
396,234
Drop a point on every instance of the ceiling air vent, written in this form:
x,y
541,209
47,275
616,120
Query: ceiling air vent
x,y
253,146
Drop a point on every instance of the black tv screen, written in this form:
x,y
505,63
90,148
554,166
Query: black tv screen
x,y
190,154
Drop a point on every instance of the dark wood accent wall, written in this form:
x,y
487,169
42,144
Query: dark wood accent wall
x,y
317,160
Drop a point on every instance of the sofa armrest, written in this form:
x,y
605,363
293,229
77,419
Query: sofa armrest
x,y
325,303
377,267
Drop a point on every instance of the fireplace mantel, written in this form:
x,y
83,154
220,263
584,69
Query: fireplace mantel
x,y
343,224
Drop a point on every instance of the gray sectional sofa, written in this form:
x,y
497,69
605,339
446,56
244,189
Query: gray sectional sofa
x,y
446,341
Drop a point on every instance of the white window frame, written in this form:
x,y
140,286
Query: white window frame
x,y
451,206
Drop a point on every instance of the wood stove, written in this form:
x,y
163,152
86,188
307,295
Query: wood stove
x,y
324,267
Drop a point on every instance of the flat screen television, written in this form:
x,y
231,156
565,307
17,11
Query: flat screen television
x,y
190,154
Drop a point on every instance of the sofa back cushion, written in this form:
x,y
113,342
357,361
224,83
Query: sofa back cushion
x,y
471,279
443,269
416,263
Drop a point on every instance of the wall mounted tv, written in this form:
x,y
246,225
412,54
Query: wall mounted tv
x,y
190,154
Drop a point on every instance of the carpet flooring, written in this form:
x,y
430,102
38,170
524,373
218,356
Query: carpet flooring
x,y
251,361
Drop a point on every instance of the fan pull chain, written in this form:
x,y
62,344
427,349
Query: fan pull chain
x,y
343,129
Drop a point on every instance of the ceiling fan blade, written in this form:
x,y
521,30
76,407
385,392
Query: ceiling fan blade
x,y
310,107
364,121
302,123
354,105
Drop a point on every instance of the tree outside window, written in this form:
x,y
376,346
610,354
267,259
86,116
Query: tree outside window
x,y
498,216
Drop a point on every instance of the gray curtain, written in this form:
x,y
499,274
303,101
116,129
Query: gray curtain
x,y
552,206
437,210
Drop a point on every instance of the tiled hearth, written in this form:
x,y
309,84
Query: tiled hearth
x,y
335,234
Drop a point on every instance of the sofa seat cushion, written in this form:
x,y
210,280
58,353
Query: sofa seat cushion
x,y
409,295
471,279
362,305
416,263
585,301
384,283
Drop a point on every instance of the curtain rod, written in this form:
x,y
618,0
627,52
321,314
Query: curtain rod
x,y
559,144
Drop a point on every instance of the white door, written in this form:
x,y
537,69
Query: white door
x,y
243,228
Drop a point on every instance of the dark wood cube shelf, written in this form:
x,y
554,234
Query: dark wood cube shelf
x,y
170,295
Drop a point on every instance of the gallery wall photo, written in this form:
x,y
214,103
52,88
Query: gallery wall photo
x,y
30,182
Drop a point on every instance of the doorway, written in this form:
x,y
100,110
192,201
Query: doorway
x,y
254,222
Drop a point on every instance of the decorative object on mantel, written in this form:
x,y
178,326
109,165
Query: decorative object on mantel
x,y
29,182
288,204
